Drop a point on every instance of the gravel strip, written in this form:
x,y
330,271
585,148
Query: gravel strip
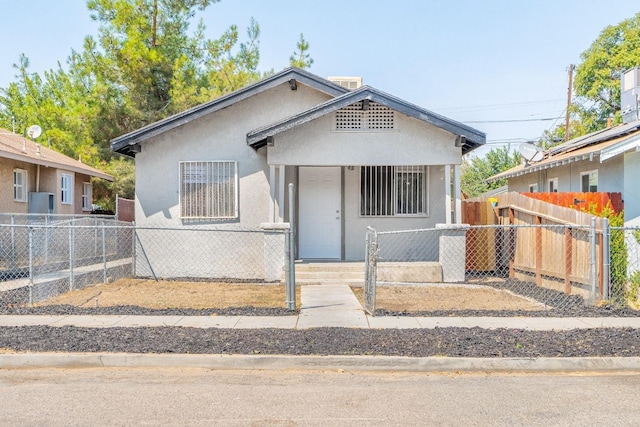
x,y
452,342
133,310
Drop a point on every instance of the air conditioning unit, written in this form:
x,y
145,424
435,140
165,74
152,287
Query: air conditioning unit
x,y
630,95
350,83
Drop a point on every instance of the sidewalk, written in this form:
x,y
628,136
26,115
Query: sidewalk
x,y
324,306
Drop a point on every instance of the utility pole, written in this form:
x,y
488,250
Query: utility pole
x,y
569,92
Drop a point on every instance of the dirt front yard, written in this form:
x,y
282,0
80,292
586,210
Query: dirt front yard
x,y
448,297
174,294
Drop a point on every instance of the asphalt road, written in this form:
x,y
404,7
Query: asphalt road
x,y
189,396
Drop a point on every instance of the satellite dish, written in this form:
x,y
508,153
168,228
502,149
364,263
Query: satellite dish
x,y
530,153
34,131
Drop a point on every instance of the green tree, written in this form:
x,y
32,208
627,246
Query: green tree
x,y
145,63
476,170
597,77
301,58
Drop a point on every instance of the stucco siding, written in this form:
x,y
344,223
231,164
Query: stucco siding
x,y
7,202
220,136
610,176
631,195
412,142
355,225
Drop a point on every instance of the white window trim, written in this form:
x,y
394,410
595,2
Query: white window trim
x,y
87,196
426,172
533,188
24,187
582,174
210,216
555,184
68,191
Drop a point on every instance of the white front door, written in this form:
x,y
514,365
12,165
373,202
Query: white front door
x,y
319,229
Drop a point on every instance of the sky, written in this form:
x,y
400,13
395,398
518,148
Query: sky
x,y
500,66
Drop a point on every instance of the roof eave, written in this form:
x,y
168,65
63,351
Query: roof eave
x,y
473,137
53,164
123,143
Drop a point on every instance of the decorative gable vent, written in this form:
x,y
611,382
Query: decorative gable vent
x,y
350,83
365,115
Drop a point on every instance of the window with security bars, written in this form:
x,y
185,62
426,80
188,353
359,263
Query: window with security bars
x,y
209,190
393,190
364,115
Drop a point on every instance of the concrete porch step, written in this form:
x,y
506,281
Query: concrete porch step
x,y
330,274
330,266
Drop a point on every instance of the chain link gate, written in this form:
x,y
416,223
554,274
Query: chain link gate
x,y
370,273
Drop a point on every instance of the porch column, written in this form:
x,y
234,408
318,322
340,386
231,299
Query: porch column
x,y
457,195
272,193
281,169
447,194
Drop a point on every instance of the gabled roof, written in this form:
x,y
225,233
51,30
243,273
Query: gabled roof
x,y
16,147
125,144
474,138
604,144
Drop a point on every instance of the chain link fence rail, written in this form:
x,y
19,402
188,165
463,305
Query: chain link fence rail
x,y
556,266
41,258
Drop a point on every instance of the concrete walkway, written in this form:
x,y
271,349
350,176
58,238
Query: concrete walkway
x,y
324,306
317,320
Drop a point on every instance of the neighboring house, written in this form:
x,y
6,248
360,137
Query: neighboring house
x,y
357,158
36,179
605,161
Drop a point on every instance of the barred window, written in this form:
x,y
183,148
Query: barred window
x,y
209,190
365,115
393,190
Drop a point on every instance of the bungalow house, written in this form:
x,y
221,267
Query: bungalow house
x,y
37,179
357,158
605,161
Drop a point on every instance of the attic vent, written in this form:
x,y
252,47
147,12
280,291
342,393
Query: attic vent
x,y
356,117
350,83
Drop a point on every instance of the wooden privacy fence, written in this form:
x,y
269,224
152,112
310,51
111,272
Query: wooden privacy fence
x,y
547,243
582,201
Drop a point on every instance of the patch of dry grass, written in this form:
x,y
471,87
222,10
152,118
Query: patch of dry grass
x,y
170,294
446,297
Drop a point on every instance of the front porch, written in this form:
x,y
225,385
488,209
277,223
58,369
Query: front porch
x,y
334,205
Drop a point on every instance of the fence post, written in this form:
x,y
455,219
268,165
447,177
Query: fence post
x,y
290,275
104,254
71,255
30,266
13,243
370,271
606,258
133,250
592,262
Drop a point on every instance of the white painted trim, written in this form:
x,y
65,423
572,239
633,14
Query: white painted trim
x,y
281,181
272,193
457,191
447,193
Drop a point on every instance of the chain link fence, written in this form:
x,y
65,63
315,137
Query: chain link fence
x,y
44,257
551,266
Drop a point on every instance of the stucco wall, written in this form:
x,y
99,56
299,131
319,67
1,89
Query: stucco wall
x,y
412,142
631,192
7,203
356,225
220,136
610,176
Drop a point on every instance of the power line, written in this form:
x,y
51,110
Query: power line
x,y
545,119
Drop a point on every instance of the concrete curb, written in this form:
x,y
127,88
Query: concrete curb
x,y
348,363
